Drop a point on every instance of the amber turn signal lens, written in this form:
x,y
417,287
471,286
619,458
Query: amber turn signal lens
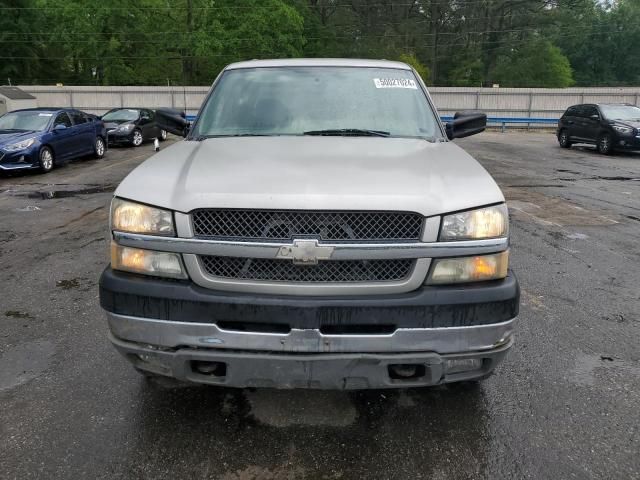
x,y
146,262
469,269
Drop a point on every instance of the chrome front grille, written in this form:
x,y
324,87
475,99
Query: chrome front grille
x,y
283,225
329,271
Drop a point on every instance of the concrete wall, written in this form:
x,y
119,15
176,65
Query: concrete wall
x,y
8,105
100,99
496,102
526,102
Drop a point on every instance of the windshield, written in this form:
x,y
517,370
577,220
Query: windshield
x,y
124,115
318,100
620,112
27,121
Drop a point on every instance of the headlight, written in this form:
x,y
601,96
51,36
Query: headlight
x,y
126,128
469,269
490,222
622,129
146,262
137,218
20,145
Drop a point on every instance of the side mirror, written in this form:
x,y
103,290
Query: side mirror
x,y
595,116
173,121
465,124
59,126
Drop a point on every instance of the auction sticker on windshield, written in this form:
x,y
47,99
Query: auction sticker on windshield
x,y
395,83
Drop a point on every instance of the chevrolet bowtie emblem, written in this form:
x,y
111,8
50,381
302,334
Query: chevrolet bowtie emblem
x,y
305,252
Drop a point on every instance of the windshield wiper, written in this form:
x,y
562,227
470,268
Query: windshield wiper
x,y
199,138
343,132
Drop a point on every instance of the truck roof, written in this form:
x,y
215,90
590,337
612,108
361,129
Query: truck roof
x,y
319,62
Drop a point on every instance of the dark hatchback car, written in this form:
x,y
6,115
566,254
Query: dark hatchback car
x,y
608,126
43,137
132,126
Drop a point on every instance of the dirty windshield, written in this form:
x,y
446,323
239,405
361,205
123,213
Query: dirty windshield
x,y
25,121
333,101
621,112
123,115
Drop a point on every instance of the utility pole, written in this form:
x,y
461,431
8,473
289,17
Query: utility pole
x,y
188,62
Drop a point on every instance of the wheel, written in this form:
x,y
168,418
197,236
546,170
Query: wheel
x,y
99,148
163,135
604,144
46,159
137,139
563,139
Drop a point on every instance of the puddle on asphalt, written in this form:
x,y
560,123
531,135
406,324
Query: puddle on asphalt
x,y
598,177
537,185
590,369
17,314
52,194
622,179
529,205
284,408
68,284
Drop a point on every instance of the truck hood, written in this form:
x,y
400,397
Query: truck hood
x,y
312,173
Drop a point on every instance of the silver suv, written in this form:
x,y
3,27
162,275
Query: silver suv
x,y
315,229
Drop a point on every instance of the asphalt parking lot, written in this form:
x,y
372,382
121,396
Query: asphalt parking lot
x,y
565,404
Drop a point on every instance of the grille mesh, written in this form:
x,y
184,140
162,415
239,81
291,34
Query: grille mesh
x,y
327,226
338,271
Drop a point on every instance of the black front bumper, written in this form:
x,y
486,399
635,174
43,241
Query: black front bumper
x,y
114,138
22,159
428,307
626,143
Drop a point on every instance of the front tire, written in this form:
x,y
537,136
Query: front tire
x,y
136,139
605,145
563,139
46,159
99,148
163,135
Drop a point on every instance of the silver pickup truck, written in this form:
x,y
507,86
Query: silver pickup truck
x,y
315,229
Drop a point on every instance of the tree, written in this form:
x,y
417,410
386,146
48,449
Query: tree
x,y
461,42
420,68
536,64
17,42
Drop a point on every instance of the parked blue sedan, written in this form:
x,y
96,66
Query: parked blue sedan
x,y
40,138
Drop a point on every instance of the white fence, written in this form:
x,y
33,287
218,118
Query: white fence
x,y
527,102
495,102
100,99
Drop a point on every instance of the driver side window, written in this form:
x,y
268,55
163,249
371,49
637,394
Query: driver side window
x,y
590,111
62,119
